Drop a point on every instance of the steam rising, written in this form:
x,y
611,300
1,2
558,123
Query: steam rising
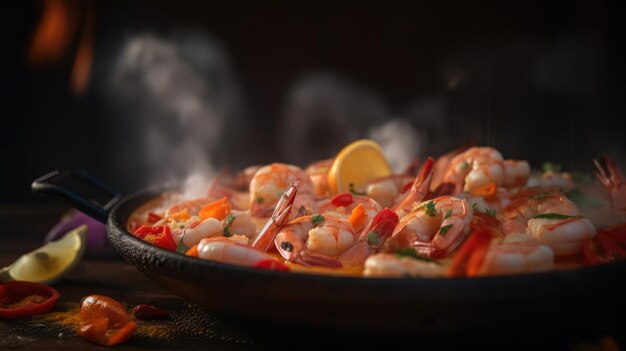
x,y
180,92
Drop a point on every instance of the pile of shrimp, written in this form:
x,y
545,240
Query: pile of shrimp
x,y
468,213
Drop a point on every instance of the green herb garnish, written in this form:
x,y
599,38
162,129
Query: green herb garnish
x,y
287,246
475,207
410,252
430,208
372,239
448,214
181,248
444,230
354,191
464,165
555,216
228,221
551,167
258,199
491,212
317,219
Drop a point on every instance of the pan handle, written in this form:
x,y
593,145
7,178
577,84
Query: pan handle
x,y
81,190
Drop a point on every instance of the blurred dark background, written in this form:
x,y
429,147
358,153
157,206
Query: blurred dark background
x,y
175,87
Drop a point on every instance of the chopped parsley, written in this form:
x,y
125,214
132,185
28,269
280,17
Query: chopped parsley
x,y
491,212
287,246
448,214
555,216
464,165
444,230
410,252
181,248
539,196
475,207
430,208
228,221
372,239
354,191
258,199
317,219
551,167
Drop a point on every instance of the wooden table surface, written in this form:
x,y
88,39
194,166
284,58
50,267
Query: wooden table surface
x,y
23,227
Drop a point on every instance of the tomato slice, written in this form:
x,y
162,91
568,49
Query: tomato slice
x,y
23,299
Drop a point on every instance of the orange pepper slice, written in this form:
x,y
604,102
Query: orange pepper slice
x,y
181,215
193,251
217,209
104,321
471,255
487,191
358,216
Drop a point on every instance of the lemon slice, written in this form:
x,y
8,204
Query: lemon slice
x,y
50,262
356,165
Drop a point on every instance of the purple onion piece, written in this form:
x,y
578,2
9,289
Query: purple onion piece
x,y
97,242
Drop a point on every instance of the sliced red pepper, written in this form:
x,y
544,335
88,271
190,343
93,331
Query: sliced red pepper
x,y
159,235
380,228
149,312
272,265
602,248
153,217
617,233
104,321
23,299
471,255
482,220
345,199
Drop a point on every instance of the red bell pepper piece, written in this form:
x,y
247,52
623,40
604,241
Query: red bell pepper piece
x,y
342,199
149,312
22,299
104,321
272,265
159,235
471,255
602,249
153,217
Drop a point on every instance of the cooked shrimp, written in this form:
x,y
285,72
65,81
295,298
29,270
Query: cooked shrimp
x,y
241,224
343,205
435,228
441,165
491,205
419,189
314,239
371,239
222,249
387,189
206,228
518,253
479,166
613,180
550,218
269,183
318,171
390,265
551,179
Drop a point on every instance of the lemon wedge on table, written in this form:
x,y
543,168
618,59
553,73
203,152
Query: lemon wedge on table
x,y
51,262
357,164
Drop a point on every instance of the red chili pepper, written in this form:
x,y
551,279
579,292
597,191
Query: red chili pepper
x,y
159,235
602,249
342,199
104,321
482,220
272,265
153,217
471,255
149,312
382,226
22,299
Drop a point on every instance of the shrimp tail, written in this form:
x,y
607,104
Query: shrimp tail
x,y
420,187
308,258
267,234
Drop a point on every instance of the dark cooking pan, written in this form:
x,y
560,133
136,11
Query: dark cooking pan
x,y
419,306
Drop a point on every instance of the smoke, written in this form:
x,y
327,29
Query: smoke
x,y
400,142
179,96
